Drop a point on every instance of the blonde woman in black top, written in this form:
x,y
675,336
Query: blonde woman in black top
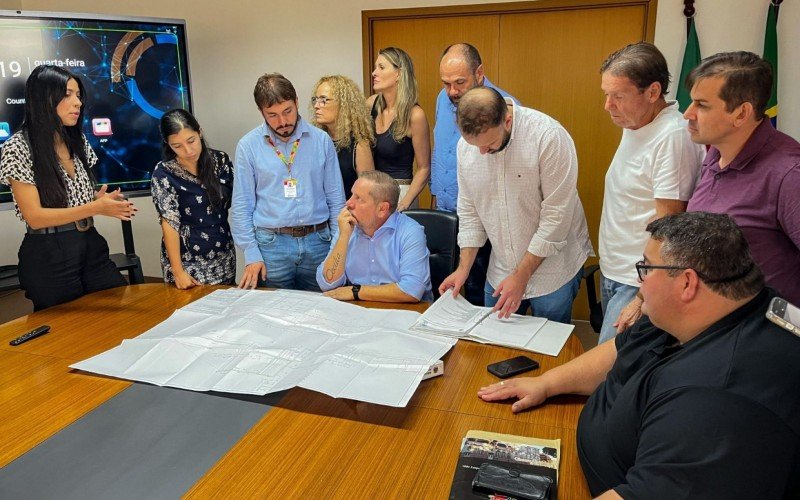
x,y
402,135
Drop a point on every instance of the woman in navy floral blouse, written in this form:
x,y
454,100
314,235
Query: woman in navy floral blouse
x,y
192,194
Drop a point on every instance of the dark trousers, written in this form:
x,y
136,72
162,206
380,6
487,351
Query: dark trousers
x,y
473,287
56,268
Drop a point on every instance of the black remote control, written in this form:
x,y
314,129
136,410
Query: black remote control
x,y
30,335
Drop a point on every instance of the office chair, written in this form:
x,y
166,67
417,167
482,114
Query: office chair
x,y
595,307
128,261
441,232
9,279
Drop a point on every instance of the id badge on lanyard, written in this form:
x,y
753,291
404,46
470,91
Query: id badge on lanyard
x,y
289,183
290,188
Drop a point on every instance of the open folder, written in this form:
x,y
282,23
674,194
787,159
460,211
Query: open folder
x,y
455,317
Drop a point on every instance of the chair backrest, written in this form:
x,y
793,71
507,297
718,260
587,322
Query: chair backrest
x,y
441,231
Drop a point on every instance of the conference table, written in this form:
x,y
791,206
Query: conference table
x,y
307,444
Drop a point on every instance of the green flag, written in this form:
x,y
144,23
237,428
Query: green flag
x,y
691,58
771,55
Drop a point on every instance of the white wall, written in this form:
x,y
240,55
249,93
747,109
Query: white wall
x,y
232,43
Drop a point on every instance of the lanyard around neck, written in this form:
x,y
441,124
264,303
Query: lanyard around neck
x,y
292,154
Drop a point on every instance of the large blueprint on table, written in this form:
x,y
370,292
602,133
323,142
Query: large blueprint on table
x,y
257,342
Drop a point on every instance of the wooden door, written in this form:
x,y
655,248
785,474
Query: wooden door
x,y
547,54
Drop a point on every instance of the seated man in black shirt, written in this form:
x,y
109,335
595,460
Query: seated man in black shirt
x,y
701,400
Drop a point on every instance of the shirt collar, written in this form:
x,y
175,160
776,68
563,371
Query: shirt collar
x,y
514,118
391,223
761,136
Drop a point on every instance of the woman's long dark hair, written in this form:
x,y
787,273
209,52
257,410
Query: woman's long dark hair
x,y
45,89
172,122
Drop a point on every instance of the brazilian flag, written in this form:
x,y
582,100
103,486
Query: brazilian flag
x,y
771,55
691,58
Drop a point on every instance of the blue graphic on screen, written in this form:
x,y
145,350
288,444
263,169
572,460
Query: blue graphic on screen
x,y
132,73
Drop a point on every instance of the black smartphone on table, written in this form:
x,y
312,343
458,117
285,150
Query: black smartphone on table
x,y
513,366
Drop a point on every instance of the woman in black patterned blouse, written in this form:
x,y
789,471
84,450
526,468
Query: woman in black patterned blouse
x,y
192,194
48,164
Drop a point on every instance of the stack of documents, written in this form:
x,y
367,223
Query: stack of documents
x,y
451,317
456,317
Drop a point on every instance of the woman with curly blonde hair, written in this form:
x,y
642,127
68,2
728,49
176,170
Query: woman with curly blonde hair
x,y
402,135
338,108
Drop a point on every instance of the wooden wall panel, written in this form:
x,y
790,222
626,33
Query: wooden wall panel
x,y
550,61
424,40
546,53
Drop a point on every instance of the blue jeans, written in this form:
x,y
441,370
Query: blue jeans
x,y
555,306
614,297
292,262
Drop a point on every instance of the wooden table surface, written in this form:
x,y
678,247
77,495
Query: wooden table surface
x,y
310,445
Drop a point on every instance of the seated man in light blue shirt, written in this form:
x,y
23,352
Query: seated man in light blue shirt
x,y
380,254
287,188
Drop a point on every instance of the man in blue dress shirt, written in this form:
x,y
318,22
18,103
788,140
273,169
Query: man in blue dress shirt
x,y
287,189
460,69
380,254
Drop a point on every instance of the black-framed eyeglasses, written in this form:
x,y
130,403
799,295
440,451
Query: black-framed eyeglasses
x,y
321,100
642,269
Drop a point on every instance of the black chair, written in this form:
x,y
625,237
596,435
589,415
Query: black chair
x,y
9,279
441,231
595,307
130,263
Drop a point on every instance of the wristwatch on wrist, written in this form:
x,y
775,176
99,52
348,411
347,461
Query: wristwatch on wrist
x,y
356,289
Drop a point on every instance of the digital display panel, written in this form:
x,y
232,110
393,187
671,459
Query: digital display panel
x,y
133,70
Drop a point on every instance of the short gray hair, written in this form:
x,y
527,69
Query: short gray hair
x,y
384,187
642,63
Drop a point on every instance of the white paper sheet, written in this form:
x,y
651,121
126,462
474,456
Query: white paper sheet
x,y
256,342
456,317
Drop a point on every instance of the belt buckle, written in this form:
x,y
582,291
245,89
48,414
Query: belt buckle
x,y
298,231
82,225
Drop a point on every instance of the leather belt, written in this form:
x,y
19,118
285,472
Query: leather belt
x,y
300,231
79,225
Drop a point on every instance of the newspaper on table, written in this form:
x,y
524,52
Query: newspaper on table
x,y
257,342
455,317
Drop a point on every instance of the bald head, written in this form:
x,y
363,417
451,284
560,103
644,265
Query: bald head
x,y
464,52
479,110
460,70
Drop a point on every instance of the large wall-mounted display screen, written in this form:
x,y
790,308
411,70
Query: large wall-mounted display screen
x,y
133,70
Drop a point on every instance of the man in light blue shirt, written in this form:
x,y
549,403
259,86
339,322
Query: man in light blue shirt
x,y
460,69
287,189
380,254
